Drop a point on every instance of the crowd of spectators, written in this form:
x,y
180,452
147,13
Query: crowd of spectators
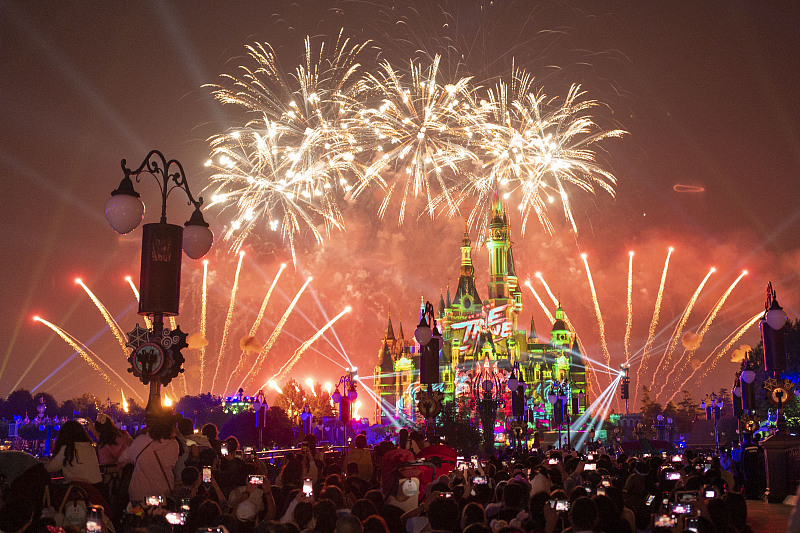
x,y
170,478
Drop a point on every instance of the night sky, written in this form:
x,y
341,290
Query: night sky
x,y
707,91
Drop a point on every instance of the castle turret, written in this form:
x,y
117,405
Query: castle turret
x,y
498,246
467,294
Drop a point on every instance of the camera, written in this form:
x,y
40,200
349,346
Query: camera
x,y
664,520
176,519
154,501
255,480
94,519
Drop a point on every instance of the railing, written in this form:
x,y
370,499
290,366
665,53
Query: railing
x,y
271,455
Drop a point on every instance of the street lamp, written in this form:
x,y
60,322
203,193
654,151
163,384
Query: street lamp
x,y
348,383
487,391
517,387
712,409
773,339
155,357
260,406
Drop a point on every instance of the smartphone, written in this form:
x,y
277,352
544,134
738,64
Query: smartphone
x,y
474,460
444,494
706,467
664,520
154,501
562,505
308,488
688,496
677,459
479,480
710,493
590,457
692,524
94,519
224,449
605,481
255,480
176,519
552,461
673,476
650,499
601,491
590,466
206,474
588,488
239,454
185,504
680,508
248,451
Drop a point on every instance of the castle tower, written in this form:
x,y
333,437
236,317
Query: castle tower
x,y
466,300
384,375
499,244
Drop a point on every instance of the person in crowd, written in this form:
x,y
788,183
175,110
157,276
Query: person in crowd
x,y
362,457
153,456
348,524
74,455
111,442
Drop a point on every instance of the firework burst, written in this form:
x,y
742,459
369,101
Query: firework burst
x,y
537,148
284,165
419,135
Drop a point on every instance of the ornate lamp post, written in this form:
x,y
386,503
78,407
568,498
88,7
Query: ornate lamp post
x,y
429,402
487,392
713,407
260,406
519,424
562,400
155,357
348,383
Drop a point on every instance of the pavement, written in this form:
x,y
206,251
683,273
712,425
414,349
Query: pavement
x,y
765,517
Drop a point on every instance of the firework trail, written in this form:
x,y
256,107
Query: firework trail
x,y
75,346
551,318
736,336
287,366
203,308
271,341
147,322
600,323
257,322
547,312
115,329
285,167
228,320
656,311
676,335
706,325
629,319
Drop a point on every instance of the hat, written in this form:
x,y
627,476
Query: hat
x,y
246,510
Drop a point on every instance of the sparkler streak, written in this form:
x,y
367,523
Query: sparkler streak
x,y
676,335
654,322
257,322
600,323
629,319
287,366
228,320
203,308
277,331
707,323
736,336
83,352
115,329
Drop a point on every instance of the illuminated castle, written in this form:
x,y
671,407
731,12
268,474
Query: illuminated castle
x,y
477,330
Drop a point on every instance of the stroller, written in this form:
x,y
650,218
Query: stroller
x,y
426,466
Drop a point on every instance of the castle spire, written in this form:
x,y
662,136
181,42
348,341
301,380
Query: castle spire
x,y
533,330
389,329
